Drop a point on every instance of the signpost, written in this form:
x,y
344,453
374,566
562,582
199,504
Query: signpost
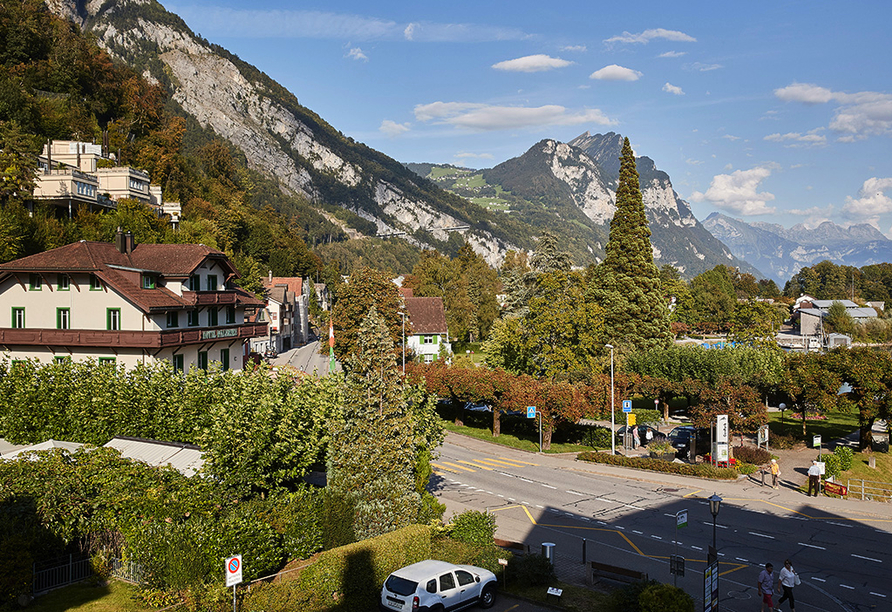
x,y
763,436
711,584
720,452
233,574
627,409
676,563
531,414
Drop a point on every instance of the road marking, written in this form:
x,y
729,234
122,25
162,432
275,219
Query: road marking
x,y
811,546
540,507
711,524
696,548
845,586
455,465
511,499
437,465
818,579
500,495
877,594
490,492
524,479
498,463
575,493
585,518
741,559
475,465
638,532
839,524
761,535
549,487
518,461
721,554
669,515
866,558
618,527
656,537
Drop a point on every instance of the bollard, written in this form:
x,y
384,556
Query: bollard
x,y
583,551
763,476
548,551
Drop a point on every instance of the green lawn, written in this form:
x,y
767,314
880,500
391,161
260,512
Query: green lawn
x,y
861,469
116,596
836,425
523,440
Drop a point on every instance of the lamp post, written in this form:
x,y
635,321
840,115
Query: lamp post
x,y
612,417
715,503
403,316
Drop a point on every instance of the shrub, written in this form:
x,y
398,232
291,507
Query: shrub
x,y
626,599
752,454
530,570
646,463
783,442
831,465
746,468
845,456
665,598
473,527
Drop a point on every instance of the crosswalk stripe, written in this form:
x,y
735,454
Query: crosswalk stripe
x,y
461,467
445,468
499,463
482,467
518,461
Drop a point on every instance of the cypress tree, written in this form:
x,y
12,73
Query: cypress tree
x,y
627,283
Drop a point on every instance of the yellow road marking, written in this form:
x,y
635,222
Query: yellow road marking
x,y
460,467
532,520
518,461
693,492
476,466
739,567
445,468
498,463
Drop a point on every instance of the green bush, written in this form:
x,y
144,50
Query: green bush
x,y
337,519
831,465
752,454
664,598
626,599
783,442
845,456
473,527
704,470
746,468
530,570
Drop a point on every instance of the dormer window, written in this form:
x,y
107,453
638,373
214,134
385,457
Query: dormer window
x,y
148,281
194,283
212,282
95,283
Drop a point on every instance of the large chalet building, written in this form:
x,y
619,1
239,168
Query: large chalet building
x,y
126,304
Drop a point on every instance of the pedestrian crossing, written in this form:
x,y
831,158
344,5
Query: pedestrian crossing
x,y
442,467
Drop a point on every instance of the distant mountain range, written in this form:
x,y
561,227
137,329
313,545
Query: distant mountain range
x,y
779,253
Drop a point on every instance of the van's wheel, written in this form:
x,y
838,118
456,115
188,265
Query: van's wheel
x,y
488,597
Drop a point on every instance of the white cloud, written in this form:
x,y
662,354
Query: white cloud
x,y
872,200
673,54
693,162
392,129
857,115
670,88
701,67
357,54
484,117
409,32
796,140
738,192
615,73
648,35
730,137
574,48
532,63
814,216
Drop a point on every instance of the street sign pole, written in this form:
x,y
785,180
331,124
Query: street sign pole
x,y
233,575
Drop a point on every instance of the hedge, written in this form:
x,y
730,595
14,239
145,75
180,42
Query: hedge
x,y
348,578
703,470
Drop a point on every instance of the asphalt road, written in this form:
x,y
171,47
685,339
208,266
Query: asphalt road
x,y
842,551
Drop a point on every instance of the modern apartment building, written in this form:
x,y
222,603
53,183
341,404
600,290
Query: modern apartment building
x,y
126,303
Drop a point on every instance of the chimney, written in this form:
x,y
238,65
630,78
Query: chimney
x,y
270,276
124,242
119,240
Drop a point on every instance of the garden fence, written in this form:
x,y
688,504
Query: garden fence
x,y
869,490
59,572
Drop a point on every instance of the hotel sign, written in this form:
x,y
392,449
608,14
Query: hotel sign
x,y
213,334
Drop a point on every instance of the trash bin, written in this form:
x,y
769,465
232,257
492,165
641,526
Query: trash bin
x,y
548,551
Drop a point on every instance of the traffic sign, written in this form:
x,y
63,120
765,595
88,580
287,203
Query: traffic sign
x,y
627,405
676,565
681,518
632,418
531,412
233,570
816,442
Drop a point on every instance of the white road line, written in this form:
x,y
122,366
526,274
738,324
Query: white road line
x,y
553,510
761,535
742,559
811,546
719,526
696,548
585,518
620,527
490,492
575,493
524,479
511,499
721,554
638,532
500,495
538,506
669,515
845,586
549,486
866,558
818,579
839,524
877,594
656,537
601,523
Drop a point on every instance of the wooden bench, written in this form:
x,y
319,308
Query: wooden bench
x,y
614,573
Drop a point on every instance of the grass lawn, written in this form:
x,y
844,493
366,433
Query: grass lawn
x,y
116,596
573,598
520,440
861,469
836,425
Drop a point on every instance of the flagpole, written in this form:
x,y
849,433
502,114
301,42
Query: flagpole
x,y
331,355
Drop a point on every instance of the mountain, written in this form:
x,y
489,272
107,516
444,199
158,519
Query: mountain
x,y
781,252
570,188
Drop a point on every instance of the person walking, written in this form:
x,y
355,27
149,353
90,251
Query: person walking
x,y
814,478
788,579
766,587
636,437
775,473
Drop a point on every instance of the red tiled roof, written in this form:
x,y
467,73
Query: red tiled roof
x,y
407,292
427,315
294,283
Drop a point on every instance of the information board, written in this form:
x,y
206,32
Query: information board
x,y
711,587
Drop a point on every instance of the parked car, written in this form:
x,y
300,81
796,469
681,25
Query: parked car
x,y
657,435
680,439
478,407
432,585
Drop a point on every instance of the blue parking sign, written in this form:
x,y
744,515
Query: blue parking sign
x,y
531,412
627,405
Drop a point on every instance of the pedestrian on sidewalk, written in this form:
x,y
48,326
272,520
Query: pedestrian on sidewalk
x,y
814,478
788,579
766,587
775,473
636,437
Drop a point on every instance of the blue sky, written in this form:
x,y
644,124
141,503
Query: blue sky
x,y
766,111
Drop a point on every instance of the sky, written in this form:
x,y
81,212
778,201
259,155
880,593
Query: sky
x,y
765,111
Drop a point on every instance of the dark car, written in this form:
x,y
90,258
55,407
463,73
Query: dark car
x,y
680,439
656,434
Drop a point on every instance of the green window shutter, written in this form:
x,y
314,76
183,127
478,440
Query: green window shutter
x,y
18,318
224,358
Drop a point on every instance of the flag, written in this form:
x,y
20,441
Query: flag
x,y
331,355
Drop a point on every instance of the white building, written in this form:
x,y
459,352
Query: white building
x,y
426,327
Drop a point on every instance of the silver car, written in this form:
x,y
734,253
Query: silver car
x,y
437,586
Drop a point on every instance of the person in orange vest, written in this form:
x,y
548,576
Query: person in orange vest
x,y
775,473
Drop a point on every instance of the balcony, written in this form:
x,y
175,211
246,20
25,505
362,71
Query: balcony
x,y
128,339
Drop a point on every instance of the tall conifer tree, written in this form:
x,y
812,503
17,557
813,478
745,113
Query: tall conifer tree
x,y
627,283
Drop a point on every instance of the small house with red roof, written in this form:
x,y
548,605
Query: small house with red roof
x,y
126,304
429,334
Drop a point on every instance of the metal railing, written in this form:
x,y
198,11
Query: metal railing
x,y
131,571
869,490
59,572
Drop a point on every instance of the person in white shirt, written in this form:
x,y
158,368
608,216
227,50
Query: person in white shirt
x,y
788,579
814,478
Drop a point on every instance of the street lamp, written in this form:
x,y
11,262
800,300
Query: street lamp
x,y
715,503
403,315
612,417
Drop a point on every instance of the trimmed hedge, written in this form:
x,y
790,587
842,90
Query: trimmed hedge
x,y
703,470
348,578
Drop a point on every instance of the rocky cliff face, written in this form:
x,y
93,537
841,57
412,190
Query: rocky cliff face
x,y
278,136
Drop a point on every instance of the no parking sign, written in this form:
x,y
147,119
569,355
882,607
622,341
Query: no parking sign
x,y
233,570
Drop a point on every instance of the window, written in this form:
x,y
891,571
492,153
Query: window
x,y
62,359
431,586
194,283
148,281
113,319
18,318
224,358
212,282
428,358
203,360
192,318
63,318
230,314
177,362
429,339
464,578
35,283
63,282
85,189
173,318
212,317
95,283
446,582
106,361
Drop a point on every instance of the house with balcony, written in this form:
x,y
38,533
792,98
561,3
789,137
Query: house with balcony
x,y
287,312
126,304
426,326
